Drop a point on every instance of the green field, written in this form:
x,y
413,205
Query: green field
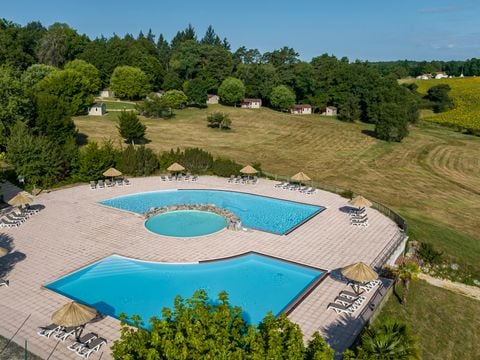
x,y
118,105
446,324
466,95
432,178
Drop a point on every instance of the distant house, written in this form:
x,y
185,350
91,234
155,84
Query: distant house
x,y
98,109
107,94
329,111
441,75
251,103
424,77
302,109
213,99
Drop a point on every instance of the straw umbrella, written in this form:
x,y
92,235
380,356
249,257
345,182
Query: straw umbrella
x,y
249,170
360,273
3,251
112,172
74,314
21,199
359,202
301,177
175,168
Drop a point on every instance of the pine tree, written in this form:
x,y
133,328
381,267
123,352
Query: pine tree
x,y
130,127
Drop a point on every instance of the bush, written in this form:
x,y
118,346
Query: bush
x,y
195,160
347,194
225,167
219,120
130,127
139,161
427,253
94,160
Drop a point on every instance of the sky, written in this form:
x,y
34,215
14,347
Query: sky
x,y
359,29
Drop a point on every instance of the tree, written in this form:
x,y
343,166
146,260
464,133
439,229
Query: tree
x,y
35,73
282,97
196,91
172,81
90,72
219,120
318,349
36,158
388,340
53,118
94,160
129,82
350,110
211,38
130,127
71,87
199,328
439,96
406,272
231,90
174,99
391,122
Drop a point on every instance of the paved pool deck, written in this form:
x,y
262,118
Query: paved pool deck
x,y
73,230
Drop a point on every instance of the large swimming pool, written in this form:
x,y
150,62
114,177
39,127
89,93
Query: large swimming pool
x,y
258,212
255,282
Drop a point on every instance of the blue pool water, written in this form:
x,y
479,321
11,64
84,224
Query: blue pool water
x,y
256,283
186,223
259,212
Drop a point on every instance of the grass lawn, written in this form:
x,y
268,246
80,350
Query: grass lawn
x,y
446,324
432,177
13,351
118,105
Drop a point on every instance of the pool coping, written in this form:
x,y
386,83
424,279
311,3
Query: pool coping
x,y
290,230
289,308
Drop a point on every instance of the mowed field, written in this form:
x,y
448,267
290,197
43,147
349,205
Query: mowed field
x,y
465,92
432,177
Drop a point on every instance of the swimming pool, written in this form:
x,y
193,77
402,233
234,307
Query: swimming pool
x,y
255,282
186,223
255,211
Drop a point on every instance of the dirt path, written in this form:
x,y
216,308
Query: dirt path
x,y
462,289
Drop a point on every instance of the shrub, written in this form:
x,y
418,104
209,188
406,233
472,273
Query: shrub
x,y
195,160
139,161
94,160
347,194
219,120
225,167
427,253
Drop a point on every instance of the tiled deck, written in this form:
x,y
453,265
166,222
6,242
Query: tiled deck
x,y
73,230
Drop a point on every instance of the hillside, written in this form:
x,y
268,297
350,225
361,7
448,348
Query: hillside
x,y
466,95
432,177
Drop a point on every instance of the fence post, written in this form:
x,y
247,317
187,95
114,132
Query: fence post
x,y
26,351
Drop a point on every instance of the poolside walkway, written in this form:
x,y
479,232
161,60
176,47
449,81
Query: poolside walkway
x,y
73,231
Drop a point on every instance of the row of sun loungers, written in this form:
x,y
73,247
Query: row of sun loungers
x,y
108,183
296,187
87,345
179,178
17,216
367,287
242,180
359,217
347,302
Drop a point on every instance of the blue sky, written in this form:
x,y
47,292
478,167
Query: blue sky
x,y
358,29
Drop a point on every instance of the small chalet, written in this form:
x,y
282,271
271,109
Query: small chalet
x,y
213,99
98,109
251,103
107,93
424,77
303,109
329,111
441,75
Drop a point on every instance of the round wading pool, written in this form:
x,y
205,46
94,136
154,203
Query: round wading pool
x,y
186,223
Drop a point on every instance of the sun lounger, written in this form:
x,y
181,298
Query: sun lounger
x,y
339,309
5,283
91,347
163,178
232,177
187,177
31,209
82,342
108,183
195,178
278,185
126,182
93,184
349,300
6,223
14,218
48,330
349,294
169,177
65,333
21,213
119,182
101,184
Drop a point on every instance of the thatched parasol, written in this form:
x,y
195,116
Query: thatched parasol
x,y
22,198
249,170
112,172
175,167
300,177
359,201
359,273
3,251
74,314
